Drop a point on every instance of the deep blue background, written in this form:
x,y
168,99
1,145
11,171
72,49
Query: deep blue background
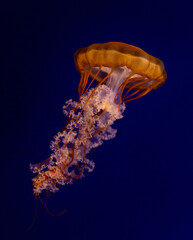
x,y
141,187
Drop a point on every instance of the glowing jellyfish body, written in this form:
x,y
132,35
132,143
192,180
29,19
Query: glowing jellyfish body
x,y
123,73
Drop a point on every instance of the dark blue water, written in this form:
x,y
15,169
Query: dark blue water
x,y
141,187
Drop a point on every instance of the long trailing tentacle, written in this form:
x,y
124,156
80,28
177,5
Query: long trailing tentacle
x,y
54,214
35,215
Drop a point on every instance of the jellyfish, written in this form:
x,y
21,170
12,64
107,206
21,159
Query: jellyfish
x,y
121,73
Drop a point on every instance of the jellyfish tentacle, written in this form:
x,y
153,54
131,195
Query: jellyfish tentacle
x,y
95,76
144,92
85,81
80,83
123,85
136,85
133,80
70,175
39,164
99,130
52,214
130,95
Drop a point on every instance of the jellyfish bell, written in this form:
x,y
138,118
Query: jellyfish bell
x,y
117,56
123,73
